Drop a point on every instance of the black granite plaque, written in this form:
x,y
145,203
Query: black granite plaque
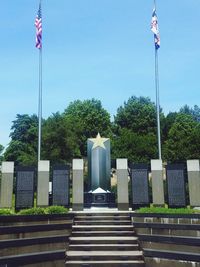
x,y
100,198
60,186
176,185
24,187
140,185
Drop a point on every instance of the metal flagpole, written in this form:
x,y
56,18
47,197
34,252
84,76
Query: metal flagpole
x,y
40,105
157,97
39,45
157,102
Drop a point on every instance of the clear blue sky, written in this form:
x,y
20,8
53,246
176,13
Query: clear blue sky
x,y
99,49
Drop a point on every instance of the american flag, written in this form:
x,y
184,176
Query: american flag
x,y
154,29
38,25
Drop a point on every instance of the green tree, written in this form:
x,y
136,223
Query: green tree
x,y
138,114
180,141
135,128
60,139
194,112
88,118
23,146
1,152
135,147
168,122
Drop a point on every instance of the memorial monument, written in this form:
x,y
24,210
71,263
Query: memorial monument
x,y
99,166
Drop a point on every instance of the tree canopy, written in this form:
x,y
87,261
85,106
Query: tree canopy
x,y
89,118
138,114
1,151
23,145
133,132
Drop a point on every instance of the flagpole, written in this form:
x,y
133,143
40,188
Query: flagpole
x,y
157,98
157,102
40,105
40,99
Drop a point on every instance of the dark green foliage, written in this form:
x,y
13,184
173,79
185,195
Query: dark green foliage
x,y
135,130
179,143
41,211
1,151
133,133
56,210
168,122
135,147
138,115
166,210
60,140
194,112
23,146
88,117
6,212
32,211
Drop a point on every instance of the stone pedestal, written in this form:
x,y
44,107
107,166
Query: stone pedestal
x,y
99,198
77,185
157,182
7,184
194,182
122,184
43,183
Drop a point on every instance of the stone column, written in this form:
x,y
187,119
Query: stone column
x,y
122,184
43,183
194,182
6,184
77,185
157,182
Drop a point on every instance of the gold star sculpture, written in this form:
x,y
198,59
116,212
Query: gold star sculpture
x,y
98,141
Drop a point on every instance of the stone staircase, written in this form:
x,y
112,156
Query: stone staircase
x,y
103,239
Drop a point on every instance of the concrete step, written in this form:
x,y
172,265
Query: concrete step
x,y
118,263
104,240
109,247
103,222
104,255
97,217
102,233
102,213
102,228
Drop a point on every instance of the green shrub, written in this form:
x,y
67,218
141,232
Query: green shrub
x,y
6,212
167,210
56,210
32,211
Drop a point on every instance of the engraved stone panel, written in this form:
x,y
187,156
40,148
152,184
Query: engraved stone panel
x,y
140,185
60,185
24,187
176,185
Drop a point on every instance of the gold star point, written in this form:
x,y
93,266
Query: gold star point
x,y
99,141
